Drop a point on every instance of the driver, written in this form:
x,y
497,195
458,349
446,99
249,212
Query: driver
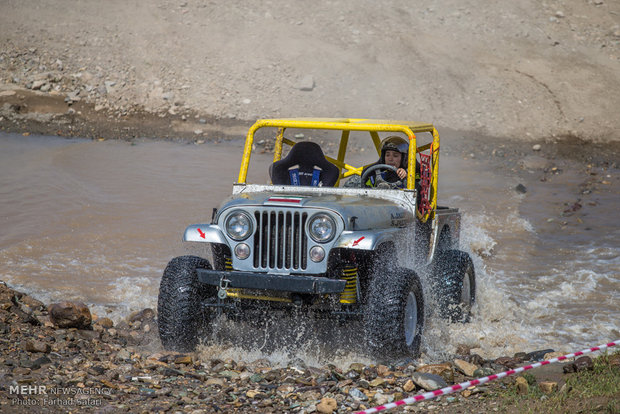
x,y
394,153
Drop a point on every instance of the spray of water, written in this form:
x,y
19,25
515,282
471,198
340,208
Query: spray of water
x,y
296,340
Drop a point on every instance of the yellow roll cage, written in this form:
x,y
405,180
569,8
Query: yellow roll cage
x,y
346,125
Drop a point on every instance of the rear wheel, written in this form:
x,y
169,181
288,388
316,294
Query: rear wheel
x,y
394,313
179,305
455,285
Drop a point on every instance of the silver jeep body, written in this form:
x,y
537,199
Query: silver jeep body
x,y
279,243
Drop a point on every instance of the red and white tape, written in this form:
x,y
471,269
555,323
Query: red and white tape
x,y
464,385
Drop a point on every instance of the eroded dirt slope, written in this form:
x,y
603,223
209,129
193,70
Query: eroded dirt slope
x,y
525,70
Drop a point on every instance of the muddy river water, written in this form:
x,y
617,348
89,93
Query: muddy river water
x,y
98,221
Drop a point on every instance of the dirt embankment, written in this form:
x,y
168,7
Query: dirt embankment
x,y
526,70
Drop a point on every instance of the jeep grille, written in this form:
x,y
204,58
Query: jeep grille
x,y
280,240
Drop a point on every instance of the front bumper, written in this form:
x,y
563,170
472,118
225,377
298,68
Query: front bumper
x,y
269,281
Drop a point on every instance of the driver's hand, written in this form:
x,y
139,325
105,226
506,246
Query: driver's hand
x,y
402,173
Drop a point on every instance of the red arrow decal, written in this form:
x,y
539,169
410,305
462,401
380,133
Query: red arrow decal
x,y
356,242
201,233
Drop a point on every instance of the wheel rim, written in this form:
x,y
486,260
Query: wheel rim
x,y
411,318
466,290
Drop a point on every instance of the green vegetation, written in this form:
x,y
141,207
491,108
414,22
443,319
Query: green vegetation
x,y
596,390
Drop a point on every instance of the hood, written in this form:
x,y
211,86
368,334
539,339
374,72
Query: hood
x,y
359,212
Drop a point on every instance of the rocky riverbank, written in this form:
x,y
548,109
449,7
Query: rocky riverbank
x,y
60,358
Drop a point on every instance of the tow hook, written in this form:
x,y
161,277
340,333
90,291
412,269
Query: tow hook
x,y
297,300
221,291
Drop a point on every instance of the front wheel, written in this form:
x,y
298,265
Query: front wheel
x,y
179,305
394,313
455,285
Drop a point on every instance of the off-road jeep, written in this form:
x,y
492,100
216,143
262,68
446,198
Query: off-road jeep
x,y
318,240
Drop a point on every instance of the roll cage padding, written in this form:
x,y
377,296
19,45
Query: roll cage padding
x,y
307,156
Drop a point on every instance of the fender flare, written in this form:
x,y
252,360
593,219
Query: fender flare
x,y
366,240
204,233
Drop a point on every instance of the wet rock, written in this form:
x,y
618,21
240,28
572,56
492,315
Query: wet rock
x,y
363,384
255,394
381,399
70,315
443,370
520,355
357,394
554,354
377,382
123,355
369,373
483,372
297,364
33,304
409,386
106,323
508,362
465,367
72,97
522,386
429,382
257,378
521,189
229,374
327,405
476,360
357,367
569,368
25,317
548,387
88,335
37,84
583,363
36,363
537,355
37,346
352,375
144,315
383,370
216,381
183,360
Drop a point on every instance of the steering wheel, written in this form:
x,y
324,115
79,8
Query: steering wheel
x,y
374,168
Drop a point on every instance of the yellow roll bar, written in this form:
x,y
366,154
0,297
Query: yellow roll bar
x,y
346,125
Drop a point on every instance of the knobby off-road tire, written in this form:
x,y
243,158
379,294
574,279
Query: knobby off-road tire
x,y
455,285
180,314
394,313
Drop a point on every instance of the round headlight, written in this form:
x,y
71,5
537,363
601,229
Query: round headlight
x,y
322,228
317,254
238,225
242,251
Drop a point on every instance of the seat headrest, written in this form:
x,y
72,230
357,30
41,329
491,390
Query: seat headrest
x,y
307,155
